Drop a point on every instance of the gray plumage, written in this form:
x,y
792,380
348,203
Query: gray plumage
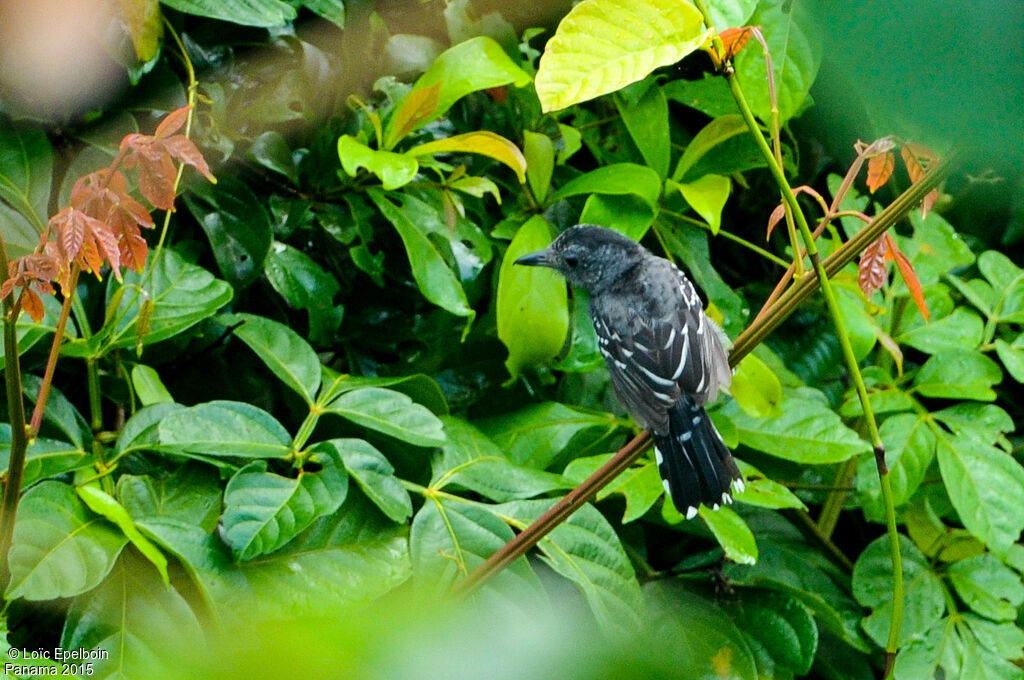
x,y
666,358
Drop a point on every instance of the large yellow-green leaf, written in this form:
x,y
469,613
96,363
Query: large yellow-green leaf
x,y
481,142
604,45
475,64
533,307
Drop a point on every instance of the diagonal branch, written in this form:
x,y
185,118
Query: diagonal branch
x,y
743,345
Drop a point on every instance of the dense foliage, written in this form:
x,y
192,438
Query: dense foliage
x,y
295,414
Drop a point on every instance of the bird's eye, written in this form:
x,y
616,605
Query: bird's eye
x,y
571,262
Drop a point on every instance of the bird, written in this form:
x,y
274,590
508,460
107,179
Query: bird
x,y
666,358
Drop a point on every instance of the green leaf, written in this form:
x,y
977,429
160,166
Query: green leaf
x,y
627,214
148,386
988,587
392,169
60,412
264,13
603,45
374,475
707,196
1007,280
986,486
958,374
923,603
141,431
450,537
985,421
616,179
764,493
354,555
59,548
225,428
1012,356
646,120
332,10
45,457
583,355
806,431
788,563
481,142
710,95
639,484
711,135
796,55
102,503
476,64
755,388
732,533
435,280
861,327
706,641
532,302
263,510
731,14
304,284
236,224
960,330
390,412
26,171
586,550
909,451
536,435
572,141
540,162
181,293
784,626
469,459
192,494
283,350
934,249
419,387
144,628
271,151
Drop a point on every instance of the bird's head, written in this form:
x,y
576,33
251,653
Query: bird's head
x,y
588,256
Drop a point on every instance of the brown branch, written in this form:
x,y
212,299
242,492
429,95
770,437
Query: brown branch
x,y
743,345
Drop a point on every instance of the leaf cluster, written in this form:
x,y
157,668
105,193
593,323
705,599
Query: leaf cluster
x,y
323,386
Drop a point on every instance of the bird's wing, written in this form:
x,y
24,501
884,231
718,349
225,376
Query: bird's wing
x,y
654,358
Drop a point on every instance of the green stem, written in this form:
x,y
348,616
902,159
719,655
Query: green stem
x,y
19,438
832,304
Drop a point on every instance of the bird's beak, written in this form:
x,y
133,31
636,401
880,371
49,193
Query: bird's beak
x,y
541,258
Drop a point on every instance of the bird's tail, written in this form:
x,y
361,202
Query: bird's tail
x,y
695,464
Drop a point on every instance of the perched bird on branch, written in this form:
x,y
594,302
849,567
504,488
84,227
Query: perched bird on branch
x,y
667,359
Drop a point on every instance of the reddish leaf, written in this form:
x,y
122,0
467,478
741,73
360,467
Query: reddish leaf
x,y
775,218
134,250
32,303
909,276
872,270
154,156
172,122
86,240
880,169
918,158
733,40
185,150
